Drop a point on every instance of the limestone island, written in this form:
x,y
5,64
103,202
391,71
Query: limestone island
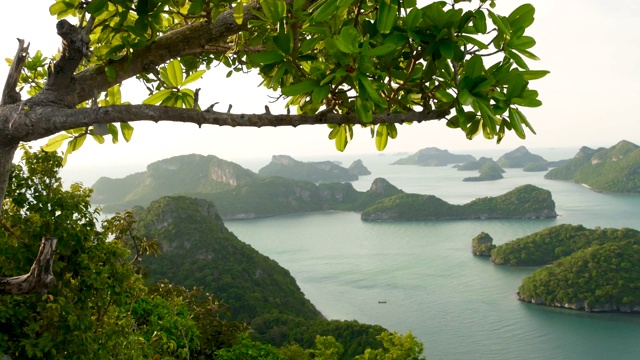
x,y
595,270
523,202
612,170
482,244
432,156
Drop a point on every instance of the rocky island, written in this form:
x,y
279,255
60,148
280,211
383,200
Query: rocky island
x,y
520,158
615,169
315,172
489,171
523,202
432,156
588,269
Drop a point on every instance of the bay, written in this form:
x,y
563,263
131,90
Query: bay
x,y
458,305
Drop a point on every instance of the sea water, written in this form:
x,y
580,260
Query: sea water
x,y
421,276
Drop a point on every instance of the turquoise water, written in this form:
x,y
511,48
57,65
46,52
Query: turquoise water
x,y
460,306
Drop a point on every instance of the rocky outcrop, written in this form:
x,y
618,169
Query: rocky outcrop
x,y
585,306
482,244
316,172
357,168
519,158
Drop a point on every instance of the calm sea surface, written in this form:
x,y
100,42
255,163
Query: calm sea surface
x,y
459,306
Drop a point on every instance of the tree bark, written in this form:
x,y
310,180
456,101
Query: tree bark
x,y
40,278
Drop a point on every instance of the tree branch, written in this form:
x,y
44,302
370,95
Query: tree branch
x,y
191,39
40,278
51,119
10,95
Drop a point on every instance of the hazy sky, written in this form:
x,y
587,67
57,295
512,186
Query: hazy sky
x,y
592,49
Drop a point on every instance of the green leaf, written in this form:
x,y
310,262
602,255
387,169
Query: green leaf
x,y
113,130
382,137
196,7
157,97
267,57
98,138
174,72
497,21
381,50
524,120
283,40
193,77
111,72
60,7
320,93
55,142
238,12
364,110
527,53
300,88
516,123
387,15
76,143
473,41
516,58
370,90
522,16
127,131
325,12
480,22
534,74
95,6
114,95
446,49
349,40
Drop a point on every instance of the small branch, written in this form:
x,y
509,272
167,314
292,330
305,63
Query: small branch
x,y
10,95
40,278
75,47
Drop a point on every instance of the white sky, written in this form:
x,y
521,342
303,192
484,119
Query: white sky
x,y
591,47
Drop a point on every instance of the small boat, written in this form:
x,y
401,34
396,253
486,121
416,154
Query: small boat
x,y
382,302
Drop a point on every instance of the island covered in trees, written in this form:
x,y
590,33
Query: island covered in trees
x,y
610,170
593,270
240,193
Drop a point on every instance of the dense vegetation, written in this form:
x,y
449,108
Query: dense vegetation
x,y
616,169
433,157
526,201
604,277
100,307
550,244
315,171
198,250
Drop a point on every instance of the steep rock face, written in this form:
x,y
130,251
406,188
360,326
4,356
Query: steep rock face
x,y
185,174
358,168
316,172
198,250
616,169
432,156
519,158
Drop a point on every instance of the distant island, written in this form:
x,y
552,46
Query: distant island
x,y
432,156
489,170
588,269
616,169
315,172
524,202
521,158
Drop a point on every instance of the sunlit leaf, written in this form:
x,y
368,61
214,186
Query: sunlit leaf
x,y
174,72
55,142
382,137
127,131
193,77
238,12
157,97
